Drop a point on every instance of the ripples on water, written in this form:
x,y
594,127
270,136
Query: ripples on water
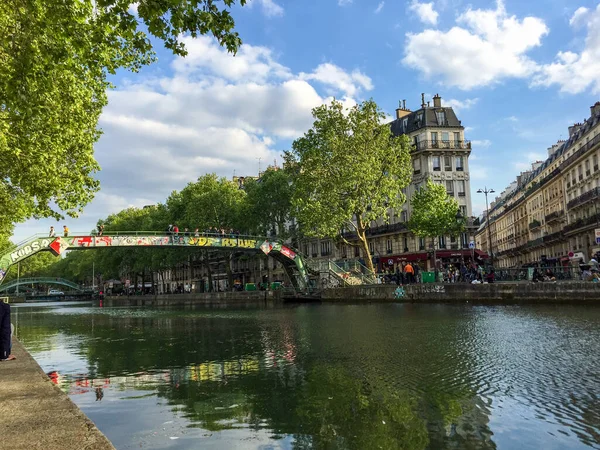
x,y
328,377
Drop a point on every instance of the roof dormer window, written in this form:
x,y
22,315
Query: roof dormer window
x,y
441,117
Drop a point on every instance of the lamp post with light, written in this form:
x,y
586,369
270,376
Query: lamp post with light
x,y
487,191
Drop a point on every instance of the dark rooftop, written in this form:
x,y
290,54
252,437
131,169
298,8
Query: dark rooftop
x,y
425,117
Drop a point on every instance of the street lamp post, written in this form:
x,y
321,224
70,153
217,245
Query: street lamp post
x,y
487,191
459,221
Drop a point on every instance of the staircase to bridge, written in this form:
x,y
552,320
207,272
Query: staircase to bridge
x,y
340,273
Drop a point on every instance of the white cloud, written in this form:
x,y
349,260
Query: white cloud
x,y
484,47
469,129
579,16
528,159
484,143
336,78
268,7
379,7
424,12
213,112
576,72
458,105
206,58
344,2
512,119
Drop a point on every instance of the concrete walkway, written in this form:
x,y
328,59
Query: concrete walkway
x,y
36,414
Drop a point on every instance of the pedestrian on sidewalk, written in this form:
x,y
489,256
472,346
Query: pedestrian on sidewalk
x,y
65,231
52,232
5,333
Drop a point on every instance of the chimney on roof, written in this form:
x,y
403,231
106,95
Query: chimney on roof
x,y
423,100
437,101
595,109
574,129
401,111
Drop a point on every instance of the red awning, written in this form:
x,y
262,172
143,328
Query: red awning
x,y
394,259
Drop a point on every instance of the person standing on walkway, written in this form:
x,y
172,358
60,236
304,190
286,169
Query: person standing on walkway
x,y
65,231
52,232
5,333
410,273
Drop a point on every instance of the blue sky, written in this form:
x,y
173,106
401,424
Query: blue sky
x,y
517,73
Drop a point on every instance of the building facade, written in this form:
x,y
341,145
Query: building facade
x,y
550,213
440,153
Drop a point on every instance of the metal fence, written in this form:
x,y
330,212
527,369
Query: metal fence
x,y
539,274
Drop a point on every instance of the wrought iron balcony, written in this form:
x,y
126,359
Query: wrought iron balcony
x,y
584,198
443,145
535,242
553,236
534,224
556,215
376,231
594,218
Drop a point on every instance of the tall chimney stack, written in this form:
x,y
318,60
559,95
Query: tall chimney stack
x,y
401,111
423,100
437,101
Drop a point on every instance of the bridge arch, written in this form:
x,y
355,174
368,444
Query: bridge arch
x,y
292,262
39,280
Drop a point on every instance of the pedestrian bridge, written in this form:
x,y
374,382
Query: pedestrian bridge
x,y
39,280
290,259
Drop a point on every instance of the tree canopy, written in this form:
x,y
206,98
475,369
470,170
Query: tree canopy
x,y
269,202
348,171
55,57
435,213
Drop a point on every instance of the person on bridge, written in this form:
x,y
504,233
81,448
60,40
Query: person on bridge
x,y
52,232
5,333
65,231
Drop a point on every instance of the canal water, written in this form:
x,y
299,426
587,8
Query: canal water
x,y
327,377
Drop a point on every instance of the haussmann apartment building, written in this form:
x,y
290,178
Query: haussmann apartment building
x,y
440,153
549,214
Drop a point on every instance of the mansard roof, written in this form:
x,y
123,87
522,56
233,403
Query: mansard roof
x,y
424,117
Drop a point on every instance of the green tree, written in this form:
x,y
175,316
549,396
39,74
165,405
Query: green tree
x,y
208,202
55,57
434,213
269,202
348,172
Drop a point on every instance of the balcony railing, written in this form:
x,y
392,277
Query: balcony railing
x,y
553,236
427,145
556,215
584,198
535,242
534,224
382,229
575,156
595,218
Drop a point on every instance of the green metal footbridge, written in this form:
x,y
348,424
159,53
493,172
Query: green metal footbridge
x,y
289,258
40,280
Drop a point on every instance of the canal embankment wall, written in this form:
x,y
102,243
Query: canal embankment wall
x,y
36,414
241,299
495,293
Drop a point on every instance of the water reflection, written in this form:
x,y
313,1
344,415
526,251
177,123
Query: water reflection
x,y
351,377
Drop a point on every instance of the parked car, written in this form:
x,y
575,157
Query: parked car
x,y
55,292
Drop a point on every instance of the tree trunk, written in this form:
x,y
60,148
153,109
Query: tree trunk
x,y
435,271
210,280
229,271
361,233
